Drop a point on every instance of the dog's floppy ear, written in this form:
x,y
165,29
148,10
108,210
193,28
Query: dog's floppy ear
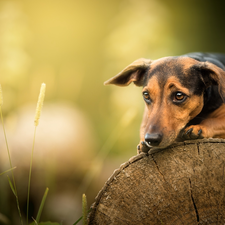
x,y
132,73
213,75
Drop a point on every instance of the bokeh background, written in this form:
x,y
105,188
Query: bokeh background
x,y
86,129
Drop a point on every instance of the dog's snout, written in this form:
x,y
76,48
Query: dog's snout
x,y
153,139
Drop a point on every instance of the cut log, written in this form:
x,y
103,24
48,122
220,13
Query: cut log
x,y
182,184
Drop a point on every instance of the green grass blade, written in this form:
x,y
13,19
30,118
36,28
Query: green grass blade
x,y
7,171
35,222
78,220
81,218
41,205
11,186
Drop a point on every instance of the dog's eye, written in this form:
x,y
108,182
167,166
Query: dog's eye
x,y
179,97
146,97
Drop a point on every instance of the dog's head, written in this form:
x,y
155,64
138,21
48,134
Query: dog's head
x,y
173,91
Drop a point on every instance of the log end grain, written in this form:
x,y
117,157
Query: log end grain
x,y
183,184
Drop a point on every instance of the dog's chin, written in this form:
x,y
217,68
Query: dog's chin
x,y
156,149
152,149
166,142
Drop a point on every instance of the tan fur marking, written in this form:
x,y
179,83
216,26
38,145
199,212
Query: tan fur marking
x,y
162,115
213,126
187,62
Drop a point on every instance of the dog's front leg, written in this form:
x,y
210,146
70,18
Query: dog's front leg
x,y
213,126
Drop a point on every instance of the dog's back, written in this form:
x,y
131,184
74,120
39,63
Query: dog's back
x,y
217,59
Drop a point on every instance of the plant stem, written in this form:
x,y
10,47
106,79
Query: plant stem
x,y
84,209
29,180
10,162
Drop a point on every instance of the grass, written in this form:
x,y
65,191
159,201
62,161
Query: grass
x,y
84,209
42,205
13,186
12,183
7,171
36,122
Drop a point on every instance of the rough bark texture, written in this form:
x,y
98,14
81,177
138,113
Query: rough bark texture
x,y
183,184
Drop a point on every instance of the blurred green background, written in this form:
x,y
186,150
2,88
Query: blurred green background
x,y
86,129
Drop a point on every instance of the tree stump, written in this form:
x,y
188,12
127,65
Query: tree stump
x,y
182,184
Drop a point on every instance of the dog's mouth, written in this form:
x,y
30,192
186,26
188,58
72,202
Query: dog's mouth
x,y
148,148
147,144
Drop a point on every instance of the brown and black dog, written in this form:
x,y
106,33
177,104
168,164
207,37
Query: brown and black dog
x,y
184,97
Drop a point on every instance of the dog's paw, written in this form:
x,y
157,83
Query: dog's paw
x,y
142,147
194,132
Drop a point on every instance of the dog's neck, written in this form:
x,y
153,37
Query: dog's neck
x,y
212,101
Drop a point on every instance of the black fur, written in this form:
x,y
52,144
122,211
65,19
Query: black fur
x,y
212,98
217,59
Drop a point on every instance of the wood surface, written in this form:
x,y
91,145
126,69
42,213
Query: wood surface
x,y
182,184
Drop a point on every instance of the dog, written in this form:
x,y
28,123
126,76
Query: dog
x,y
184,97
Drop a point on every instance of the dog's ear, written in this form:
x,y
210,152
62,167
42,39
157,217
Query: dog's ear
x,y
132,73
213,75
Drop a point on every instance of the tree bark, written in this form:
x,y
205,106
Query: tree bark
x,y
182,184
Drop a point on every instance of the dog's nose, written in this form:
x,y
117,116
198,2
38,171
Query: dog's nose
x,y
153,139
